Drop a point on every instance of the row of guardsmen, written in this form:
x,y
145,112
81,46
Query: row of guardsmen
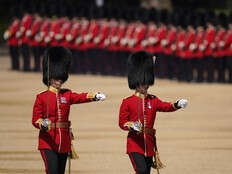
x,y
102,46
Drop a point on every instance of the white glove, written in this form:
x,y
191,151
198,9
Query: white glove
x,y
164,42
114,39
22,29
106,42
137,126
38,38
6,35
46,124
192,46
182,103
68,37
96,40
213,45
47,39
100,96
58,36
18,34
144,43
202,47
78,40
28,33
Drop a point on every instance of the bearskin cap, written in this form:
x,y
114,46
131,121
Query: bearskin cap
x,y
140,69
56,63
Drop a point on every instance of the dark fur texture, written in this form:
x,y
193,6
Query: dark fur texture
x,y
56,61
140,69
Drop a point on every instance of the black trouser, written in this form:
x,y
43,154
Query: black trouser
x,y
54,162
200,69
26,57
219,64
36,53
172,68
209,68
141,164
14,54
229,66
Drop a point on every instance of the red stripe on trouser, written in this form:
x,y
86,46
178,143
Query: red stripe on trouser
x,y
45,160
133,162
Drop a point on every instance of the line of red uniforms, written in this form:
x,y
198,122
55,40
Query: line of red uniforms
x,y
82,34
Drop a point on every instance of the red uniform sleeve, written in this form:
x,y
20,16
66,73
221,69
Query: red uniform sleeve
x,y
123,115
165,106
37,112
81,97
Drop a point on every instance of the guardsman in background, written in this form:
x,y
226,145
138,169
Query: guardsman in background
x,y
228,49
114,41
71,38
92,53
11,35
102,42
179,51
81,44
189,48
65,28
139,35
210,45
161,33
56,25
120,62
167,44
24,34
34,41
199,48
219,53
116,46
43,34
150,37
150,40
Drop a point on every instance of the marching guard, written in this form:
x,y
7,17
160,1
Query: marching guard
x,y
138,112
52,107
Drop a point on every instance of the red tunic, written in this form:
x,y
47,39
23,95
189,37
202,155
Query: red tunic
x,y
147,107
44,31
210,41
64,31
57,139
151,32
139,35
35,28
228,43
74,32
189,39
13,28
171,36
199,53
219,38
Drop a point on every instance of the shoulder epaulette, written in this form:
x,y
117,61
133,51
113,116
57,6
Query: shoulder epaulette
x,y
151,96
64,90
128,97
42,92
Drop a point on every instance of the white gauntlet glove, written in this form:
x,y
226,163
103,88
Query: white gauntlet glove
x,y
46,124
182,103
100,96
135,126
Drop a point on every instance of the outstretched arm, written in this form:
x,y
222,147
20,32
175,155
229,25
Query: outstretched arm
x,y
86,97
169,107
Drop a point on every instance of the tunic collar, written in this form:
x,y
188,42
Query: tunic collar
x,y
52,89
138,94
